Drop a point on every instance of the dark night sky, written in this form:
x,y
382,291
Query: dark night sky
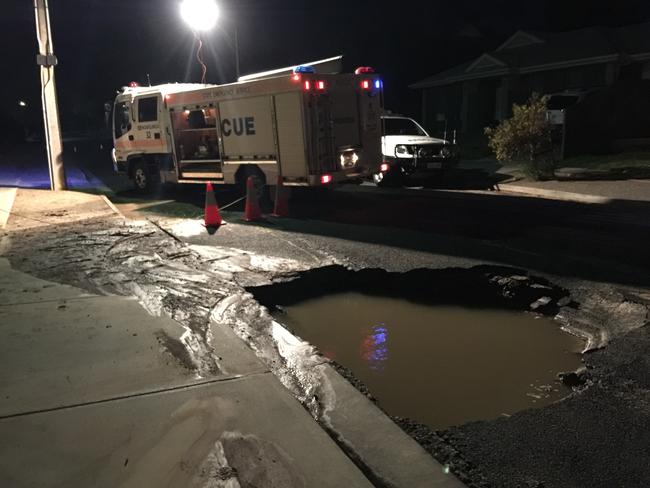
x,y
102,45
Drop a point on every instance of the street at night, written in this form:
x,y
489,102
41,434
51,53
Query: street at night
x,y
231,259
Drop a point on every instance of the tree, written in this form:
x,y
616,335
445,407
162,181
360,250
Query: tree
x,y
525,137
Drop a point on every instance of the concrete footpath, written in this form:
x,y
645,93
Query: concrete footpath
x,y
90,395
95,391
583,191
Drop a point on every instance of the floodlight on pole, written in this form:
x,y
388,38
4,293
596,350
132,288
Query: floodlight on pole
x,y
200,15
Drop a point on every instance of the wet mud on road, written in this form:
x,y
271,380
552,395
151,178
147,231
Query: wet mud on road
x,y
598,436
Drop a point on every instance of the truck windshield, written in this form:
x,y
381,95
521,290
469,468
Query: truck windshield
x,y
402,127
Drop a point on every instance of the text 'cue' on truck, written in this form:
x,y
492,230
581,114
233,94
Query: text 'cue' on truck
x,y
312,128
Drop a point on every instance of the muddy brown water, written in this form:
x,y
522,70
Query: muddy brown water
x,y
440,365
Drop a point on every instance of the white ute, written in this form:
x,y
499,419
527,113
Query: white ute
x,y
411,153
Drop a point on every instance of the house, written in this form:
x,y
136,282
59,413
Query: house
x,y
475,94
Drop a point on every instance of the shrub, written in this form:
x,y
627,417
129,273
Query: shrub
x,y
525,137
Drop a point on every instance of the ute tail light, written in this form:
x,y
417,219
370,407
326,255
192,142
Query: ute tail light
x,y
384,167
325,179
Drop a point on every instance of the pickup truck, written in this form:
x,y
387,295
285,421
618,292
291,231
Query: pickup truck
x,y
410,153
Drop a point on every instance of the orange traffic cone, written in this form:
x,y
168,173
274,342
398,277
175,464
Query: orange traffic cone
x,y
252,211
212,216
281,207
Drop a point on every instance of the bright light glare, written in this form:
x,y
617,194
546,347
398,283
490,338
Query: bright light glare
x,y
22,103
200,15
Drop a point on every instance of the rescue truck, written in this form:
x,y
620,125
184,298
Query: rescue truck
x,y
310,124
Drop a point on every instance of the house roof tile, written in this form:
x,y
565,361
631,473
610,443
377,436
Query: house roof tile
x,y
593,44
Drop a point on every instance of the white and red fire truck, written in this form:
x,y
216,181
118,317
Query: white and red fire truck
x,y
310,124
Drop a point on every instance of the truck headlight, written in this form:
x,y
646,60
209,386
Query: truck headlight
x,y
348,159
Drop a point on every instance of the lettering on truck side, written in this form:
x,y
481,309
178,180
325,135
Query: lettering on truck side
x,y
239,126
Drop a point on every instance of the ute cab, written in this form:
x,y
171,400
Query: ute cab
x,y
410,152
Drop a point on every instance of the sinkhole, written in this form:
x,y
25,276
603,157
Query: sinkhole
x,y
442,347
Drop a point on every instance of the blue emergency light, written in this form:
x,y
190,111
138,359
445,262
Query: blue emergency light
x,y
304,69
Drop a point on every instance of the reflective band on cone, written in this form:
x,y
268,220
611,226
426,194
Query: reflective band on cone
x,y
253,211
281,207
212,216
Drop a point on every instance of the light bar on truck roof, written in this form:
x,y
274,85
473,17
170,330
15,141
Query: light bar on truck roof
x,y
364,70
304,69
332,65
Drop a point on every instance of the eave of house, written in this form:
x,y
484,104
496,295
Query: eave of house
x,y
468,75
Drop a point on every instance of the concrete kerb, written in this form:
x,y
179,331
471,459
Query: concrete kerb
x,y
112,206
554,194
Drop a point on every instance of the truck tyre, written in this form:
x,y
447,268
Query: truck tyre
x,y
259,181
145,182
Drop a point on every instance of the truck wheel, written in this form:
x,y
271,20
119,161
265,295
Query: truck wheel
x,y
144,181
259,181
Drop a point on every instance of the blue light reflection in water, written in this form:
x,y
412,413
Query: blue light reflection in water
x,y
374,348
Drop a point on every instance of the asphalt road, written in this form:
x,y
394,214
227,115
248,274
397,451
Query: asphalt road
x,y
601,242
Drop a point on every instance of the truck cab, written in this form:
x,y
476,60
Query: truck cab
x,y
410,152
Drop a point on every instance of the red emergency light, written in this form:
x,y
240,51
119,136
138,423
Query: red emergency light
x,y
384,167
307,85
325,179
320,85
295,77
362,70
365,84
133,84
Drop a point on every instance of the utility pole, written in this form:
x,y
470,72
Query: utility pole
x,y
47,61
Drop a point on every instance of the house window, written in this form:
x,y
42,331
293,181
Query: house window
x,y
148,109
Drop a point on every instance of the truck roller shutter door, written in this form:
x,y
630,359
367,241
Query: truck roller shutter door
x,y
247,128
291,136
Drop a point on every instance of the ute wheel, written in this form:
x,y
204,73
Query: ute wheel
x,y
144,181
